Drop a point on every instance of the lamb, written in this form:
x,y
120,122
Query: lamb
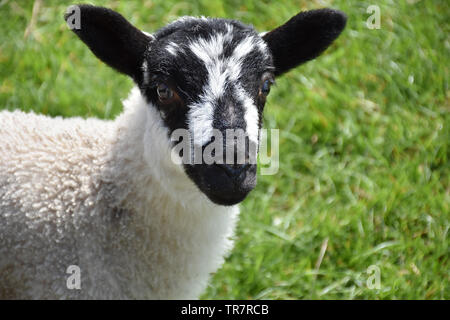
x,y
105,196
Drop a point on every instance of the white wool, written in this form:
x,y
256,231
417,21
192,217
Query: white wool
x,y
105,196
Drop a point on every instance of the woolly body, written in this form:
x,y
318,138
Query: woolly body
x,y
98,194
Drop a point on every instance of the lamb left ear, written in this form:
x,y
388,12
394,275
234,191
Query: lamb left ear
x,y
304,37
112,39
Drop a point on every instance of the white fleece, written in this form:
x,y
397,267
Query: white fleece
x,y
105,196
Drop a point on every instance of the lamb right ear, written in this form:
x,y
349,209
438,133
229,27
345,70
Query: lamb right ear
x,y
304,37
111,38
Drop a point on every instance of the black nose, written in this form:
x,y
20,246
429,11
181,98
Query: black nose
x,y
234,170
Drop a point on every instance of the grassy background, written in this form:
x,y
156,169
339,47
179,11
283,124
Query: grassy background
x,y
364,142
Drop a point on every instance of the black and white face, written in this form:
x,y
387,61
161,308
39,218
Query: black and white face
x,y
205,75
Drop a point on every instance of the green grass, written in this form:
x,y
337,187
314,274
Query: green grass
x,y
364,143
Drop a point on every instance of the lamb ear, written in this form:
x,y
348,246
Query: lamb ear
x,y
112,38
304,37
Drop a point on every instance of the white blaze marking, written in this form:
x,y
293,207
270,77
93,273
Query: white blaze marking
x,y
201,115
262,46
200,119
243,48
173,48
251,111
251,115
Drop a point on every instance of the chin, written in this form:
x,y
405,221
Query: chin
x,y
224,185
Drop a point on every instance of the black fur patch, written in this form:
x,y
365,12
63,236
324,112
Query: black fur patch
x,y
113,39
304,37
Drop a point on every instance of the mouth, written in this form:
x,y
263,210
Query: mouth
x,y
224,184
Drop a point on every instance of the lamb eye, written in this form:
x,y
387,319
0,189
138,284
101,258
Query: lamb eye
x,y
164,92
265,87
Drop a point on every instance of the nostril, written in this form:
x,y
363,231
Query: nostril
x,y
233,170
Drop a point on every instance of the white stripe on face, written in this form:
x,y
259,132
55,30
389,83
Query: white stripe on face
x,y
173,48
251,114
201,115
251,111
220,73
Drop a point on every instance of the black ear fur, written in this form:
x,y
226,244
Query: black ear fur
x,y
112,39
304,37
